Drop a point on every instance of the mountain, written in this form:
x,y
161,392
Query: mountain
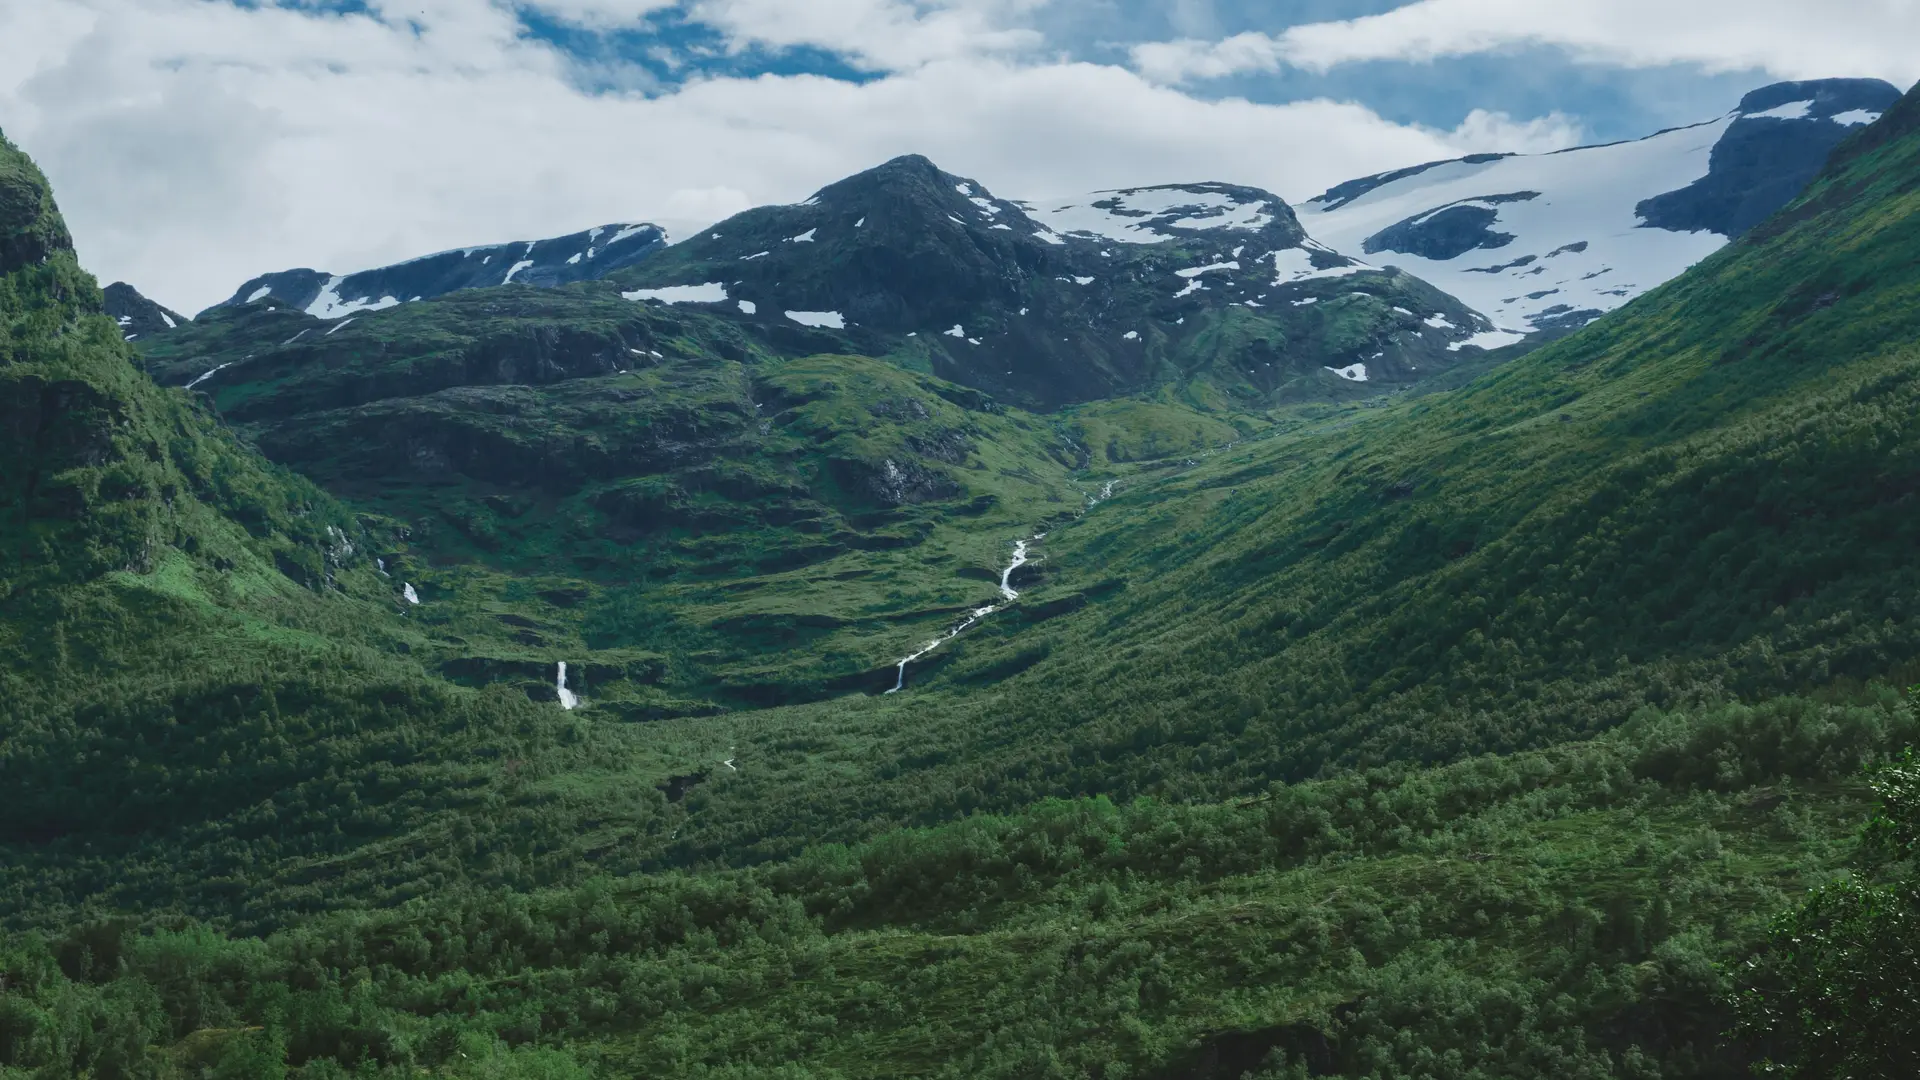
x,y
1047,305
581,256
138,315
1551,242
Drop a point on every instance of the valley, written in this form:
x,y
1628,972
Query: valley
x,y
914,632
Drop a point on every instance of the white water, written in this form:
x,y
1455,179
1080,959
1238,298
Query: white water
x,y
568,699
412,597
900,682
210,373
1020,559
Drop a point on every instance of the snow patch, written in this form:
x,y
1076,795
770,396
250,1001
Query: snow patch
x,y
1351,373
209,374
713,292
830,319
1296,264
262,291
1792,110
1854,117
1196,271
803,238
749,307
517,267
1143,215
1492,339
330,305
957,331
1585,219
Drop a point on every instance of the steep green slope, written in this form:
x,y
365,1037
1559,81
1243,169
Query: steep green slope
x,y
196,647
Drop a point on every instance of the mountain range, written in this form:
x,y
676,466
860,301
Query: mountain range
x,y
916,632
1535,243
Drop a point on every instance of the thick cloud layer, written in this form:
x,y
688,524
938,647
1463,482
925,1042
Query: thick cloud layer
x,y
1794,39
195,143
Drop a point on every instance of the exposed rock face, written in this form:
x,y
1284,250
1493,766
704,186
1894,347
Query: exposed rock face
x,y
582,256
1048,302
138,316
1783,135
1449,232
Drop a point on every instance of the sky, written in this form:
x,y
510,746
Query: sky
x,y
196,143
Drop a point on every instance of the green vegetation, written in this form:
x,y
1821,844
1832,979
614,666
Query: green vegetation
x,y
1484,732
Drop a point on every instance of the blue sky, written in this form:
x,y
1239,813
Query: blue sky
x,y
196,143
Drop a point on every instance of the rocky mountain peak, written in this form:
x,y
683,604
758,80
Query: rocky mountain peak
x,y
138,316
1855,100
583,256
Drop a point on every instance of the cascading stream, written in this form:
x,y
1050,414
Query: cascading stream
x,y
568,699
1020,559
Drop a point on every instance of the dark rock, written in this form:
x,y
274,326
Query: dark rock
x,y
138,316
1448,232
581,256
1763,163
1341,194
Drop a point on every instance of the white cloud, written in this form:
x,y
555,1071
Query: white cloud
x,y
877,35
1794,39
1496,132
196,144
883,35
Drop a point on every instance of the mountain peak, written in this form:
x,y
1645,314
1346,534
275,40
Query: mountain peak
x,y
137,315
31,228
1820,99
583,256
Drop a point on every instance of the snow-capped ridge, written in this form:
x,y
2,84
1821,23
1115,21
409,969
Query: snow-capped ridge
x,y
1549,242
582,256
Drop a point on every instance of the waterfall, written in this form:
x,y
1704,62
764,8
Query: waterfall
x,y
568,699
1020,559
412,597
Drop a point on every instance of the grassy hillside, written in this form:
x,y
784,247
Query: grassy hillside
x,y
1469,734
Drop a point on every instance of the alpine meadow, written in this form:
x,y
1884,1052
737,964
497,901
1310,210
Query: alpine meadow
x,y
1152,635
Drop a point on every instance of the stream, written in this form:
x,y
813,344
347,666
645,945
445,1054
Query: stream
x,y
1021,557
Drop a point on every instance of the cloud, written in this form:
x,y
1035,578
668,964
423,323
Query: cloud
x,y
874,35
194,144
1793,39
1496,132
